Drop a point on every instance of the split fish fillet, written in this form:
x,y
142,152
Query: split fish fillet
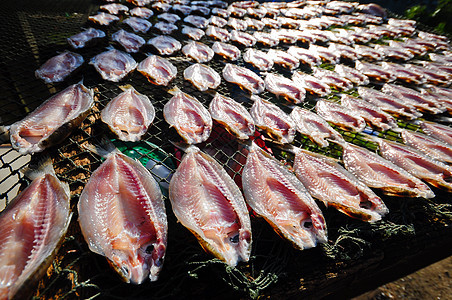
x,y
340,115
438,131
244,78
282,86
157,70
202,77
428,145
57,68
113,65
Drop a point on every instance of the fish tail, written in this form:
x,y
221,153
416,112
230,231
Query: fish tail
x,y
175,90
4,133
289,148
43,166
104,147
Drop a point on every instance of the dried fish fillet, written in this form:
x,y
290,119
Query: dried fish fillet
x,y
189,117
237,24
437,131
266,39
352,74
340,115
277,195
218,21
430,146
373,115
333,79
141,12
282,86
218,33
113,65
232,115
129,41
168,18
114,8
270,118
369,52
433,76
375,72
137,24
33,226
165,45
377,172
57,68
193,33
197,21
103,18
283,59
325,54
198,51
304,55
157,70
122,217
329,182
403,73
259,59
129,115
243,38
208,203
165,28
311,84
53,120
417,163
202,77
244,78
227,51
79,40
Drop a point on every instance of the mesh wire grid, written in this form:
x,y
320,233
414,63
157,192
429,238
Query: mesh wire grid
x,y
34,34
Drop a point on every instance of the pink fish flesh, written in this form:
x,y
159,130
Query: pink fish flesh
x,y
438,131
198,51
197,21
344,51
282,86
304,55
314,126
431,75
141,12
237,24
394,52
122,217
165,45
193,33
103,18
129,41
311,84
57,68
165,28
404,73
255,24
157,70
208,203
352,74
227,51
377,172
129,115
283,59
428,145
169,18
137,24
79,40
113,65
53,120
189,117
271,23
325,54
218,33
329,182
217,21
243,38
232,115
340,115
114,8
259,59
369,52
375,72
270,118
258,12
202,77
333,79
220,12
33,226
266,39
277,195
244,78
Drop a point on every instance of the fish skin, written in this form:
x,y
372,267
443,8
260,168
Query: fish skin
x,y
377,172
208,203
304,55
53,120
57,68
282,86
417,163
165,28
129,115
314,126
437,131
122,214
276,194
270,118
165,45
157,70
198,51
113,65
244,78
428,145
375,72
329,182
33,226
232,115
189,117
340,115
202,77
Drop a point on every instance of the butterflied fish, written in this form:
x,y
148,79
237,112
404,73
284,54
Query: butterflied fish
x,y
438,131
440,58
265,38
259,59
284,59
333,79
114,8
113,65
189,117
220,12
57,68
344,51
243,38
165,45
232,115
198,51
244,78
369,52
311,84
165,28
415,98
236,11
129,115
129,41
138,24
255,24
257,12
428,145
373,115
202,77
304,55
122,217
237,24
394,52
329,182
157,70
33,226
193,33
274,193
441,94
227,51
377,172
141,12
275,122
389,103
181,9
139,2
168,18
53,120
200,9
403,73
197,21
375,72
271,23
221,34
161,6
103,18
79,40
208,203
340,115
282,86
417,163
352,74
217,21
314,126
325,54
433,76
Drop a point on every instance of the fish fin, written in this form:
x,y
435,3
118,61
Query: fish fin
x,y
104,147
43,166
175,90
126,87
4,133
288,148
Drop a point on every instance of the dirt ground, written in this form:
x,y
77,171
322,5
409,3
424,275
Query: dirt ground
x,y
432,282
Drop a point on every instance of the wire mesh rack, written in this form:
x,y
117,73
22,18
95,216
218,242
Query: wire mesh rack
x,y
35,33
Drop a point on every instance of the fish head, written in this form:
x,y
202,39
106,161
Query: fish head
x,y
132,264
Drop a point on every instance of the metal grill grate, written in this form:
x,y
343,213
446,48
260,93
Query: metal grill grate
x,y
36,34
